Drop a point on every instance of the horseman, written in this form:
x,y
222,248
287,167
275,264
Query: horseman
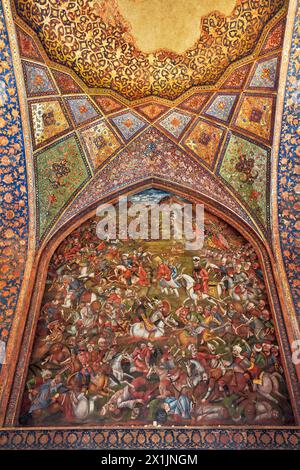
x,y
246,365
165,278
202,355
159,314
200,276
140,311
141,357
143,277
86,370
164,273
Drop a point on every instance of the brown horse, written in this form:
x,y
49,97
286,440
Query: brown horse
x,y
185,339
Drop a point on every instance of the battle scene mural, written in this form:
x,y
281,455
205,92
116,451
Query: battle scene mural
x,y
146,332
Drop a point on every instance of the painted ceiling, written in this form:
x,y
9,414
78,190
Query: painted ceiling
x,y
216,138
140,48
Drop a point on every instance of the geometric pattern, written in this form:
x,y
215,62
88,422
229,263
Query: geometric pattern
x,y
204,140
128,124
213,438
107,104
275,38
27,46
100,143
60,171
288,189
66,83
152,111
245,167
175,123
48,120
265,74
152,154
82,110
38,80
255,115
195,103
222,107
238,78
128,70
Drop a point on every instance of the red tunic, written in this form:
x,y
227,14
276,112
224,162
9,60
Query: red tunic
x,y
163,272
143,280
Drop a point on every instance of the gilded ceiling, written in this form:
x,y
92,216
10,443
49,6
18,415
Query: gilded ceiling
x,y
220,133
152,23
140,48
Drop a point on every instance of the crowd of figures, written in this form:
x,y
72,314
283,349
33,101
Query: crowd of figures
x,y
143,333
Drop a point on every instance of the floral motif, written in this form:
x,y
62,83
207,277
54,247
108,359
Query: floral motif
x,y
107,104
100,143
13,189
256,115
128,124
175,123
48,121
204,140
289,170
275,37
81,109
104,53
65,82
238,78
27,46
60,171
38,81
245,168
152,111
221,107
265,74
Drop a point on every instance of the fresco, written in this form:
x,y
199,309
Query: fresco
x,y
143,332
108,47
60,171
245,166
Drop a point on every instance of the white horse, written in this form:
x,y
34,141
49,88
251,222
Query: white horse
x,y
139,329
270,384
117,370
172,285
195,371
81,405
189,283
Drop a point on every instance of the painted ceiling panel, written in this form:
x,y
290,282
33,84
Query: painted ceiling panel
x,y
137,49
199,122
